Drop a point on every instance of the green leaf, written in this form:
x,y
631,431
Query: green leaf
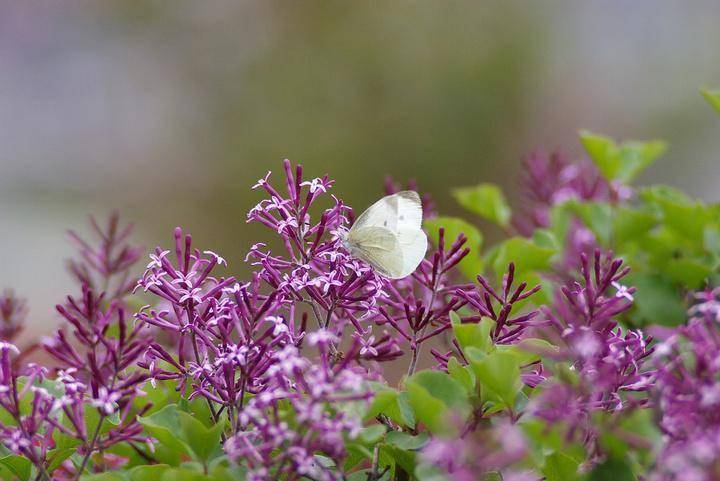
x,y
688,272
356,454
630,225
621,162
657,301
19,465
472,264
372,434
184,474
406,441
545,238
391,403
560,467
712,97
473,334
485,200
443,387
401,457
164,425
107,476
147,473
202,440
498,374
526,255
428,409
612,469
57,456
462,374
406,413
364,474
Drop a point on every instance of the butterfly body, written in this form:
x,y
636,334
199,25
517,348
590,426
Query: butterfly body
x,y
389,235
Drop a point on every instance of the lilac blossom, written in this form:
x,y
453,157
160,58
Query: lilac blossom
x,y
105,267
276,445
608,362
96,371
31,409
314,269
418,307
227,332
507,328
510,326
550,179
341,292
688,395
487,451
96,362
13,311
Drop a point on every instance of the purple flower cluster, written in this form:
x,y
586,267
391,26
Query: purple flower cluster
x,y
418,307
107,266
485,452
315,269
605,359
13,311
96,362
27,432
285,358
687,394
553,179
274,449
237,344
504,307
227,334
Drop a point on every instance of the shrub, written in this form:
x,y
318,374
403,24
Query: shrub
x,y
582,346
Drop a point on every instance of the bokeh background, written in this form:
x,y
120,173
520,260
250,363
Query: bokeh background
x,y
169,111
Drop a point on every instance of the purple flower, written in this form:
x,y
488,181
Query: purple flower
x,y
553,179
418,307
484,299
688,394
13,312
276,441
608,362
226,334
486,451
31,416
314,269
106,267
476,302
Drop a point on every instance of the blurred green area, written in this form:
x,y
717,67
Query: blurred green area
x,y
170,111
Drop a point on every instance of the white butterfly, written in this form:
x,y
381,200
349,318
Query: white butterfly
x,y
388,235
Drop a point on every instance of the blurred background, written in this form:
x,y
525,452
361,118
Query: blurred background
x,y
170,111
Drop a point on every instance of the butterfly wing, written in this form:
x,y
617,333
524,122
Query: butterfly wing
x,y
398,216
413,244
379,247
393,212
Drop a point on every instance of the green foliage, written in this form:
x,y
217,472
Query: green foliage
x,y
560,466
437,398
670,240
621,161
528,256
19,466
498,375
472,263
712,97
485,200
